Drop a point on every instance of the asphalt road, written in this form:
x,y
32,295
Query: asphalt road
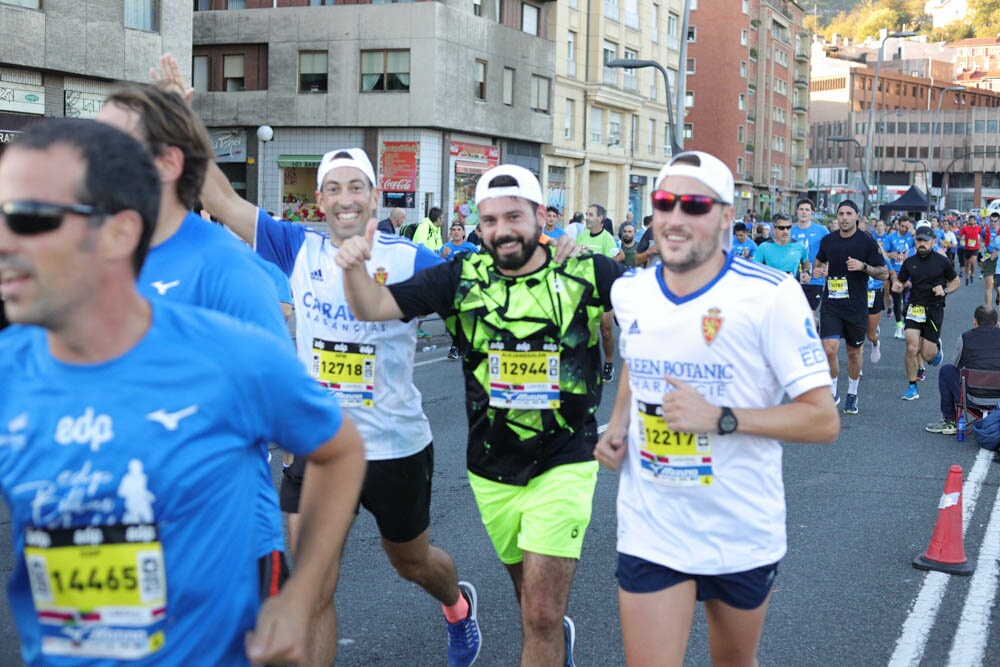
x,y
859,510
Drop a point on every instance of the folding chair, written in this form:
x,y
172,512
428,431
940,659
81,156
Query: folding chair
x,y
979,394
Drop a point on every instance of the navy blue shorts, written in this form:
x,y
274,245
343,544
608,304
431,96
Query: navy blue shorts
x,y
742,590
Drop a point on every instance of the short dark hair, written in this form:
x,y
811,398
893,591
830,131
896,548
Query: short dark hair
x,y
739,227
780,217
166,120
434,214
986,316
805,200
120,174
553,209
601,211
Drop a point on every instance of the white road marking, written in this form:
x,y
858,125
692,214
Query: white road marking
x,y
913,637
968,649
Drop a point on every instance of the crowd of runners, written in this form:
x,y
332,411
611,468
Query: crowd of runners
x,y
150,368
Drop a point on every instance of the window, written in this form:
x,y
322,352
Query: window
x,y
742,104
652,87
673,31
596,124
236,4
743,69
781,87
740,134
778,144
479,73
508,86
690,66
688,131
574,4
614,128
692,36
666,139
568,121
232,73
540,93
632,14
571,54
778,115
611,9
781,57
199,74
652,136
635,133
744,39
312,71
142,15
610,53
529,19
199,5
385,70
654,29
746,6
477,7
739,167
630,80
688,99
322,3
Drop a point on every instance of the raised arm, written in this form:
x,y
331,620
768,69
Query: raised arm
x,y
368,300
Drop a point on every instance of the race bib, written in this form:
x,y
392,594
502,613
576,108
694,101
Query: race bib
x,y
916,313
836,288
347,369
670,458
971,243
99,591
871,298
525,377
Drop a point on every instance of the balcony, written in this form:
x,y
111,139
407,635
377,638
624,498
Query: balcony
x,y
750,148
798,159
798,133
799,107
801,55
801,82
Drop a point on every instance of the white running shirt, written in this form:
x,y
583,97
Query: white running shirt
x,y
705,503
367,365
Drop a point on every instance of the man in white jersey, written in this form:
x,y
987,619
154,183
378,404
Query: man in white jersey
x,y
369,367
696,424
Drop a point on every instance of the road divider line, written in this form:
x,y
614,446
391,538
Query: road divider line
x,y
968,648
917,627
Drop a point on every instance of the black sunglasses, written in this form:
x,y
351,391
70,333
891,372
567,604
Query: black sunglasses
x,y
690,204
29,218
783,228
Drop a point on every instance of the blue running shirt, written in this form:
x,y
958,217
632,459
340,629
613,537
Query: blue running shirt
x,y
810,237
204,265
131,483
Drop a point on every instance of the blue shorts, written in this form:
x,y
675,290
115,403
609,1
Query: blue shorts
x,y
742,590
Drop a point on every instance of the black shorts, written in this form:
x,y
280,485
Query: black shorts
x,y
396,491
833,325
272,573
814,294
930,328
742,590
877,303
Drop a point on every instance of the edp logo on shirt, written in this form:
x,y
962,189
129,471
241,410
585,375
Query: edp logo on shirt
x,y
87,429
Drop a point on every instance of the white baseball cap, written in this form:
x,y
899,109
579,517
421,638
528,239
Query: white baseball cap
x,y
708,169
527,185
344,157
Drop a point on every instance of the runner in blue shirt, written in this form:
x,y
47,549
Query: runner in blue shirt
x,y
552,219
809,233
898,245
134,430
743,246
783,253
456,242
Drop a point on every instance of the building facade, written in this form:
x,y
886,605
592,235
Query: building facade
x,y
747,101
61,58
611,127
435,92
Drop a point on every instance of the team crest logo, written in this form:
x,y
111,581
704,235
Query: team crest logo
x,y
710,325
381,275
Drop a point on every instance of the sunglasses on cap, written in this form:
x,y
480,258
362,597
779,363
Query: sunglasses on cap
x,y
690,204
30,218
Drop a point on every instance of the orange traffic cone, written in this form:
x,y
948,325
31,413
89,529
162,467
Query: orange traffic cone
x,y
946,553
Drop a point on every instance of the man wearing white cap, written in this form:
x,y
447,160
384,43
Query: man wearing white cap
x,y
528,326
696,424
369,367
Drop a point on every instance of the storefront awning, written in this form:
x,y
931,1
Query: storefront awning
x,y
295,161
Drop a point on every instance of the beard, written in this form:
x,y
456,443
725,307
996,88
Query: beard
x,y
923,252
514,261
695,257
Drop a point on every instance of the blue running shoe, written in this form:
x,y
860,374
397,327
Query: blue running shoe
x,y
921,374
911,393
464,640
936,361
851,406
570,631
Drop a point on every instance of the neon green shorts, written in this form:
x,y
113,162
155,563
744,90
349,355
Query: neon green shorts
x,y
549,516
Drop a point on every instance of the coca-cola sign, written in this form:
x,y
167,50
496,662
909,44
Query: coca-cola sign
x,y
400,166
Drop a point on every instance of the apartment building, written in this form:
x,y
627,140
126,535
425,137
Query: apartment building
x,y
612,130
62,58
977,62
747,96
436,93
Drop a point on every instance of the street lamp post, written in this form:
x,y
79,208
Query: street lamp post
x,y
923,164
864,179
930,155
264,134
871,106
945,175
676,145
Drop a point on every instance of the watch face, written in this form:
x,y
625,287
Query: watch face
x,y
727,423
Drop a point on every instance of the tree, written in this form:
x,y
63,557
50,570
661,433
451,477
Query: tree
x,y
882,18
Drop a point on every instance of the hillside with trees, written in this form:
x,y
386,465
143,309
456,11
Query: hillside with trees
x,y
860,20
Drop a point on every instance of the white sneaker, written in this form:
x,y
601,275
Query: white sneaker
x,y
876,353
899,331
